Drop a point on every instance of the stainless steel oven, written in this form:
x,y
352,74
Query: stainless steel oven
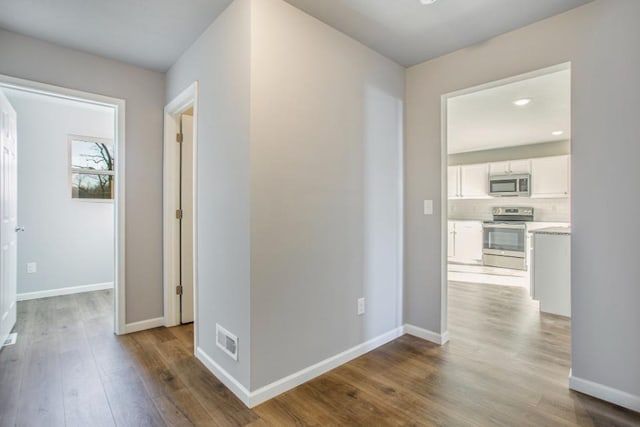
x,y
505,238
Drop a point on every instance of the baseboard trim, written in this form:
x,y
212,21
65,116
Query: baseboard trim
x,y
618,397
252,399
130,328
426,334
226,378
26,296
287,383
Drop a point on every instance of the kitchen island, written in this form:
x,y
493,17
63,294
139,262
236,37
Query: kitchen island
x,y
551,269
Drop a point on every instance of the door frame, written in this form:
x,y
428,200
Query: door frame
x,y
119,107
188,98
444,163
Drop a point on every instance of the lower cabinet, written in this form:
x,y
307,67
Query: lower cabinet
x,y
465,242
551,272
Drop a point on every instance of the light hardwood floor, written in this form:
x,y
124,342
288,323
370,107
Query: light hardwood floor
x,y
505,365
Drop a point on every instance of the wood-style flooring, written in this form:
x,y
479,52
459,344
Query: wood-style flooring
x,y
506,365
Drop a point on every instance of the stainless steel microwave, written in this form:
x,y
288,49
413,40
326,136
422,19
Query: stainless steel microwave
x,y
510,185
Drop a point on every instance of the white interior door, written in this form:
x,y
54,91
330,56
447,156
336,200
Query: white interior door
x,y
186,224
8,209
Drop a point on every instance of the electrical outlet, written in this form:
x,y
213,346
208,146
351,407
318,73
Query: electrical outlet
x,y
31,267
360,306
428,207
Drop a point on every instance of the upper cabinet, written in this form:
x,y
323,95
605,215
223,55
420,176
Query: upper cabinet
x,y
512,167
453,181
520,166
474,181
468,181
550,177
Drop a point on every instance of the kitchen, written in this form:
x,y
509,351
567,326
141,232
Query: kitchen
x,y
509,188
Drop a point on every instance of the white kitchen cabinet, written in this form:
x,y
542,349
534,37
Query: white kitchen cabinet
x,y
520,166
550,177
511,167
451,241
465,241
551,272
453,181
499,168
474,181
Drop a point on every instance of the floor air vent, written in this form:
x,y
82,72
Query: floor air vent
x,y
11,339
227,342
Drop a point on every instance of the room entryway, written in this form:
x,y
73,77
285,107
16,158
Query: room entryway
x,y
507,159
180,211
62,185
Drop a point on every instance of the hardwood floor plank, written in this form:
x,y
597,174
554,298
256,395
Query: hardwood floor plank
x,y
222,405
129,401
506,365
41,398
85,401
13,363
182,408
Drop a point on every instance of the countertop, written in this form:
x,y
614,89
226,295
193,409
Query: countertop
x,y
553,230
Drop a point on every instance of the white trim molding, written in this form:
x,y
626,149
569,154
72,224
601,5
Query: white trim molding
x,y
26,296
229,381
600,391
254,398
143,325
426,334
188,98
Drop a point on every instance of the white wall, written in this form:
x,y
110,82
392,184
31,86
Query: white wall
x,y
299,142
71,241
600,39
219,61
143,90
326,152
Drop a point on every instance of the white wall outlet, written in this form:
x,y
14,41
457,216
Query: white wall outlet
x,y
32,267
360,306
428,207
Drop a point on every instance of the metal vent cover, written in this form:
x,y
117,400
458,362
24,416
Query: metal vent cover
x,y
227,342
11,339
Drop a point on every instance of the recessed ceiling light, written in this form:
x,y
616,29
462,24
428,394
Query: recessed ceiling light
x,y
557,132
522,102
428,1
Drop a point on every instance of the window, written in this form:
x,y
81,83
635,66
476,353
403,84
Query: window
x,y
92,168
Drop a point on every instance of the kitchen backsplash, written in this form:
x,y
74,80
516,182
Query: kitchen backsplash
x,y
545,210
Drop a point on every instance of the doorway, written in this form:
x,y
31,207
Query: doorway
x,y
82,189
506,157
180,209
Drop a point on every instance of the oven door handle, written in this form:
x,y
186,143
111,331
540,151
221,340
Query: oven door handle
x,y
505,226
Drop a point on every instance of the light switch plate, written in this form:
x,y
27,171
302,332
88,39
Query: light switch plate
x,y
31,267
428,207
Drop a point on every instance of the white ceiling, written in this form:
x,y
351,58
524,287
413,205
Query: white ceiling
x,y
154,33
149,33
488,118
16,94
410,33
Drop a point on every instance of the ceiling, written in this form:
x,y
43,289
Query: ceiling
x,y
148,33
15,95
410,33
154,33
489,119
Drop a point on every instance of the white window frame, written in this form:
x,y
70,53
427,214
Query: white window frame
x,y
72,170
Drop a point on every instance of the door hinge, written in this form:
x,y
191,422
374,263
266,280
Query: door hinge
x,y
178,213
179,290
179,138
